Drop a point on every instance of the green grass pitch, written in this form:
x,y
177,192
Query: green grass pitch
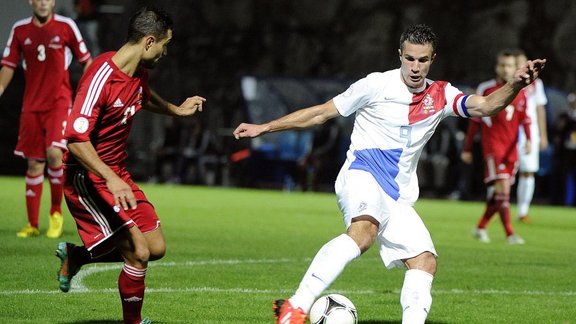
x,y
231,251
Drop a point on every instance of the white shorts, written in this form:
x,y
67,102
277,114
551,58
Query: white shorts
x,y
528,162
402,234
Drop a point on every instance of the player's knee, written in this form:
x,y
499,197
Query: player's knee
x,y
425,261
35,168
363,231
141,255
157,251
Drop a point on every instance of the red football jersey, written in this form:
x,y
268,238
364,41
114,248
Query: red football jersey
x,y
500,132
46,52
104,107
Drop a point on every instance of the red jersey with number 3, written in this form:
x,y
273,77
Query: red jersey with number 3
x,y
46,52
500,132
104,107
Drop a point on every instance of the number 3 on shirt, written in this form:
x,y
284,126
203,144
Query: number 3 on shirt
x,y
406,132
41,53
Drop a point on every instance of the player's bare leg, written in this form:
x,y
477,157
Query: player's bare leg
x,y
56,177
156,244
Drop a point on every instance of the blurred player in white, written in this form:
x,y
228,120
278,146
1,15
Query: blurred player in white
x,y
396,113
530,162
45,43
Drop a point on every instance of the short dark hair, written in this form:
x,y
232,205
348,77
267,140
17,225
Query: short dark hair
x,y
419,34
148,21
511,52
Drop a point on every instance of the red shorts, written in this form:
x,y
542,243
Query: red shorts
x,y
499,168
92,206
42,129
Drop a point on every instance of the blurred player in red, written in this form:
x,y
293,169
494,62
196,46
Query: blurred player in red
x,y
499,148
45,42
115,220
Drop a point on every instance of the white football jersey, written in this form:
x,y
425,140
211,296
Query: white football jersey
x,y
535,96
392,125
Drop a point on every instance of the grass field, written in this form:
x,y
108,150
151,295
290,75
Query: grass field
x,y
231,251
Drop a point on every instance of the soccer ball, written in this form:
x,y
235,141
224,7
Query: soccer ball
x,y
333,309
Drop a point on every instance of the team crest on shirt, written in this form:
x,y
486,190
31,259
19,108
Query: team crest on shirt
x,y
362,207
55,43
428,104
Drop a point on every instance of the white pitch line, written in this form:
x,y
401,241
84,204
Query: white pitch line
x,y
78,282
78,286
285,291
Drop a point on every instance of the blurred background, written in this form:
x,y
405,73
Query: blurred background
x,y
259,59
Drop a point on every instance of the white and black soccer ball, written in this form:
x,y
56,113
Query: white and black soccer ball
x,y
333,309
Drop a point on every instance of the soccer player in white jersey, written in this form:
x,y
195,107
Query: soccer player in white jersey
x,y
536,101
396,113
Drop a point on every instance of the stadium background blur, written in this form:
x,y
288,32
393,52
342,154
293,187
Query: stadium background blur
x,y
257,59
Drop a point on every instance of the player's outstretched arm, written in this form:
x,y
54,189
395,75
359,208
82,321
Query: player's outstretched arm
x,y
479,106
189,107
303,118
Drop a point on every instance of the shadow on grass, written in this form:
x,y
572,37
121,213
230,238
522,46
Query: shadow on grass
x,y
120,322
393,322
94,322
101,322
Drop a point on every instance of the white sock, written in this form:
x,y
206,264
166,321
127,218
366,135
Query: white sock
x,y
525,192
415,297
328,263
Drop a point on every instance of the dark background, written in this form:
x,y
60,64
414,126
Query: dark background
x,y
216,42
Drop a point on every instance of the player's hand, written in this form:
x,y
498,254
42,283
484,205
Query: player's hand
x,y
248,130
530,72
466,157
122,192
190,106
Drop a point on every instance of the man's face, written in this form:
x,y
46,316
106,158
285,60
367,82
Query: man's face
x,y
505,68
521,60
415,63
157,49
42,8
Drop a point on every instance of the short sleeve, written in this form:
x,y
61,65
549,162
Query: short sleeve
x,y
455,101
11,55
358,95
85,112
76,42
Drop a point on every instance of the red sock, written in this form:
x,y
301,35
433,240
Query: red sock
x,y
131,287
491,208
505,213
33,197
56,176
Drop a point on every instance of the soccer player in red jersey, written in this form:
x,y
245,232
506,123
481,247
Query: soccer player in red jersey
x,y
115,220
46,43
499,148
